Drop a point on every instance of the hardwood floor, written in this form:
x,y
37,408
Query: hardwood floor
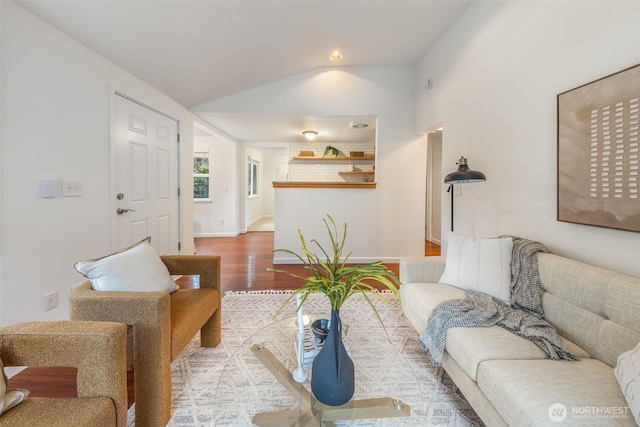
x,y
245,260
431,249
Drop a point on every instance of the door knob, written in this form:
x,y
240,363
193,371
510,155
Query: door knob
x,y
120,211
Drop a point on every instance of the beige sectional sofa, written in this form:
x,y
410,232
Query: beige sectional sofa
x,y
509,380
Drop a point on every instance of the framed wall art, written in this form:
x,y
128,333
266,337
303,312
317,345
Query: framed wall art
x,y
598,137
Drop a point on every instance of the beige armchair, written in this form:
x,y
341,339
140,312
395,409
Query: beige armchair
x,y
160,326
96,349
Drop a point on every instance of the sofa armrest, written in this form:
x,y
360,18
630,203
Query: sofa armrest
x,y
96,349
149,314
205,266
129,308
421,269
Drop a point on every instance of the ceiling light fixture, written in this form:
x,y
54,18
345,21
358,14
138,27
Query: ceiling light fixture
x,y
358,125
335,55
310,134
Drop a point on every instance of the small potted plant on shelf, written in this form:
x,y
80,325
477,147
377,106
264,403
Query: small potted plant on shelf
x,y
332,377
332,151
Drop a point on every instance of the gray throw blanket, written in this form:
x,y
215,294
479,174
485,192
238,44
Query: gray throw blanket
x,y
481,310
524,318
525,282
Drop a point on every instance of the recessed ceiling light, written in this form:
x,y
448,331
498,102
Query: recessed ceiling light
x,y
310,134
359,125
335,55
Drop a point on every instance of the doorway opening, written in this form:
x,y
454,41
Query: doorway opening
x,y
433,199
272,165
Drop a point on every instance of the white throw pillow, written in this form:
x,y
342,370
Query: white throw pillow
x,y
136,268
482,265
627,373
9,398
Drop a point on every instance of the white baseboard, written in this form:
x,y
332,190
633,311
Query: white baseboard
x,y
221,234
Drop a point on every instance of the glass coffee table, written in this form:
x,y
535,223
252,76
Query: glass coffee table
x,y
256,386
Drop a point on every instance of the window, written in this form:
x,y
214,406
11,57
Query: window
x,y
253,178
201,175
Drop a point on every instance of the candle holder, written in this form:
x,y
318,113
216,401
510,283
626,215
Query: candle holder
x,y
300,374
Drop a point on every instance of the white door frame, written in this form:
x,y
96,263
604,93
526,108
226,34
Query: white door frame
x,y
113,202
434,192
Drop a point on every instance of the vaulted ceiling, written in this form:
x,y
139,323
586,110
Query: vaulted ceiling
x,y
199,51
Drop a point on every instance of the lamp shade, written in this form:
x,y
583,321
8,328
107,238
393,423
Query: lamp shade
x,y
464,175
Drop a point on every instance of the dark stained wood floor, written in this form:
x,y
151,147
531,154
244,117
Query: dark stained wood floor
x,y
245,260
431,249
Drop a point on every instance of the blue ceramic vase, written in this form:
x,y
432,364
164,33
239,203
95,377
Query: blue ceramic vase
x,y
332,372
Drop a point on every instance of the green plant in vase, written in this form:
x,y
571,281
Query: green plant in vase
x,y
333,277
330,150
332,378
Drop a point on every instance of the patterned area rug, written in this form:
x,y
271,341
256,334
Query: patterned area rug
x,y
201,399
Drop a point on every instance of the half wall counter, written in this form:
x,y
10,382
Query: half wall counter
x,y
304,184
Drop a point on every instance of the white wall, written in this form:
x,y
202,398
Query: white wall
x,y
496,75
56,98
1,174
218,217
386,222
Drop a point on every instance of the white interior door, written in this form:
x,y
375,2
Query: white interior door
x,y
145,185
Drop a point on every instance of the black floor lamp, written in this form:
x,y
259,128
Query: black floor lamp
x,y
463,175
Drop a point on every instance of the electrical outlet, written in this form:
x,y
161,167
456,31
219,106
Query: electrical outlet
x,y
50,300
458,189
222,222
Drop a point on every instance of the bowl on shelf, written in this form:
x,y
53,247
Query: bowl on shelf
x,y
320,328
356,153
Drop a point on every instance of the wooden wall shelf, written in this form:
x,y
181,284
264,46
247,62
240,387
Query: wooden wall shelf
x,y
333,158
357,172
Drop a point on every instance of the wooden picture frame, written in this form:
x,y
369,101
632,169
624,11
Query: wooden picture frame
x,y
598,138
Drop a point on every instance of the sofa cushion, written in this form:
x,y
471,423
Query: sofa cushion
x,y
420,299
58,411
469,347
482,265
190,309
542,392
136,268
627,372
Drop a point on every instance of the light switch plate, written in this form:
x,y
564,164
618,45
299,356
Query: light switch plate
x,y
71,188
49,188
